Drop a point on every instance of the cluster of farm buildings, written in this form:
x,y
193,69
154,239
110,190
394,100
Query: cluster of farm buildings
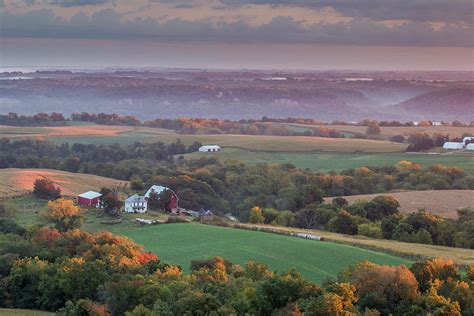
x,y
467,143
139,203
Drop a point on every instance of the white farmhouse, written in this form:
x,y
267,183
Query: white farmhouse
x,y
453,145
436,123
136,204
209,148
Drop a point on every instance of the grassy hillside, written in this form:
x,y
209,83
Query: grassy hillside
x,y
410,250
181,243
443,203
14,182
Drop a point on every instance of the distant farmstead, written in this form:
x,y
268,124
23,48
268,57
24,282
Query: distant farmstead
x,y
89,199
139,204
209,148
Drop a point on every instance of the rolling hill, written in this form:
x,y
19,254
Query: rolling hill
x,y
444,104
15,182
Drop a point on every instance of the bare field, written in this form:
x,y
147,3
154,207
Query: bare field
x,y
409,250
440,202
64,131
388,131
16,182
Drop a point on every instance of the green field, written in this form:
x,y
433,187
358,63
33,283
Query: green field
x,y
324,162
316,260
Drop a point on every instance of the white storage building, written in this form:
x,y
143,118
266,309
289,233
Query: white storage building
x,y
209,148
470,146
453,145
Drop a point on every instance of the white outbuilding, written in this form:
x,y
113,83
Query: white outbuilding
x,y
467,139
453,145
470,146
209,148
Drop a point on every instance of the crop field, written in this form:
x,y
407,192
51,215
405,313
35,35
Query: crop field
x,y
389,131
316,260
15,182
443,202
324,162
127,135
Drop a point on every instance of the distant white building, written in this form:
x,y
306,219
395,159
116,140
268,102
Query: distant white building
x,y
209,148
436,123
470,146
453,145
467,139
136,204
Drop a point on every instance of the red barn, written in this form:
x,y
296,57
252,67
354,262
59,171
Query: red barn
x,y
89,199
173,206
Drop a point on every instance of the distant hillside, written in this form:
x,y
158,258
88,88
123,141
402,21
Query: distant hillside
x,y
445,104
16,182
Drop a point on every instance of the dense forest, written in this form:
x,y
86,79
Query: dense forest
x,y
61,268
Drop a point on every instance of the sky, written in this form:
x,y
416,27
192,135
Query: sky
x,y
239,34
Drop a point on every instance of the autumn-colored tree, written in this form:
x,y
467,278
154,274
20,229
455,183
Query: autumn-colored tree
x,y
375,286
111,201
434,269
46,189
256,216
63,214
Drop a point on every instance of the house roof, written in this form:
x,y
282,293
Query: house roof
x,y
136,199
90,195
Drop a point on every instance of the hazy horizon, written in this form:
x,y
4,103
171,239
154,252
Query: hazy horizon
x,y
239,34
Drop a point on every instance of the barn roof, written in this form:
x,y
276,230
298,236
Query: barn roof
x,y
90,195
209,147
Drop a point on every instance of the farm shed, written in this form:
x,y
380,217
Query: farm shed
x,y
173,205
453,145
89,199
209,148
136,204
470,147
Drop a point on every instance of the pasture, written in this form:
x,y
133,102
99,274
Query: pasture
x,y
443,202
325,162
316,260
16,182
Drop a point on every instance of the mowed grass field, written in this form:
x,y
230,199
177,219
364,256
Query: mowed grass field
x,y
316,260
443,203
15,182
